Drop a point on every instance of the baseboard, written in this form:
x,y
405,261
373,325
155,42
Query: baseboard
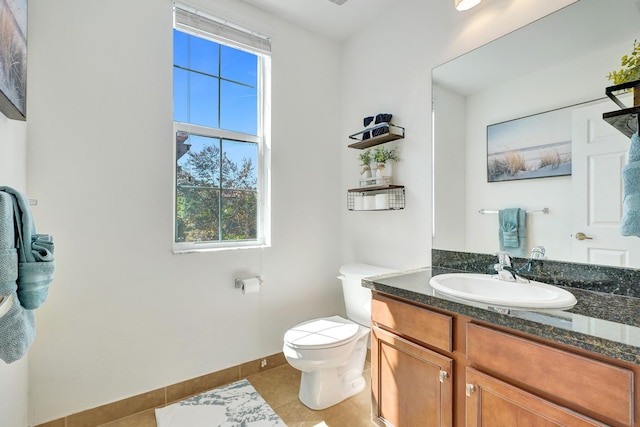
x,y
166,395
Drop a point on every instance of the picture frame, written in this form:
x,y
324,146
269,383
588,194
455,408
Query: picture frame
x,y
536,146
13,59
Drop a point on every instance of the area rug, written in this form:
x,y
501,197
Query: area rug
x,y
234,405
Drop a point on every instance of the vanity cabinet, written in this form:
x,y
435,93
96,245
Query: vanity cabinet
x,y
411,384
492,402
584,384
493,376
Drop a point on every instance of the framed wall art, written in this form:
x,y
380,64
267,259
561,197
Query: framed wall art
x,y
536,146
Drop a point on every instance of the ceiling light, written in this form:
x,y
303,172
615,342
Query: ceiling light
x,y
338,2
465,4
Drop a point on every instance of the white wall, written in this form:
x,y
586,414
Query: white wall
x,y
449,171
13,173
124,314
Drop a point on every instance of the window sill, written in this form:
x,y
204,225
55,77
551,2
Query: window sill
x,y
181,251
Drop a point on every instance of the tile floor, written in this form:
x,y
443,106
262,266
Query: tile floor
x,y
279,387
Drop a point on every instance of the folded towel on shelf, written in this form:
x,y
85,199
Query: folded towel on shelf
x,y
512,232
36,264
630,223
17,326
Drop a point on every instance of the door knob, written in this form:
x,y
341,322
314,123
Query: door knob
x,y
582,236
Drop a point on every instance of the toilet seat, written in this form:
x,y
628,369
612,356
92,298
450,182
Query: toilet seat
x,y
322,333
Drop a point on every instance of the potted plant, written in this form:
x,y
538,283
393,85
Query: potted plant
x,y
365,161
629,72
384,159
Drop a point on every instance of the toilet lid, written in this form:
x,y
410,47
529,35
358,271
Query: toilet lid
x,y
321,333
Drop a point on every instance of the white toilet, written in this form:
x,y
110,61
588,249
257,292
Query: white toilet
x,y
331,351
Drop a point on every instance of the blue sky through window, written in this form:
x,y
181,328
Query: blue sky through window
x,y
214,85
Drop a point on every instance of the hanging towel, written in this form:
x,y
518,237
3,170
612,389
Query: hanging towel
x,y
630,223
512,232
36,264
17,326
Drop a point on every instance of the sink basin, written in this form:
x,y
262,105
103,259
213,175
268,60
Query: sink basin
x,y
488,289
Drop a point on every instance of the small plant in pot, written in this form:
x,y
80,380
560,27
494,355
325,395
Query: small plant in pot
x,y
384,159
629,72
365,160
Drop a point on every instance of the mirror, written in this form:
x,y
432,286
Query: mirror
x,y
558,63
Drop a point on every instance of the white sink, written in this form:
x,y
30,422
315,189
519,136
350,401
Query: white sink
x,y
488,289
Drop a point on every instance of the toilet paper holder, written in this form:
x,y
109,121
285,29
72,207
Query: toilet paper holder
x,y
239,283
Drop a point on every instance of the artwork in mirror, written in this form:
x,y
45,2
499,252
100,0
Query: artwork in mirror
x,y
536,146
13,58
537,69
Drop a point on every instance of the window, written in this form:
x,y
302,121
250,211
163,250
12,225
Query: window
x,y
220,89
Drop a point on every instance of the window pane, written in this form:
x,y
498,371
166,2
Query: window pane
x,y
180,97
203,100
180,49
203,55
197,214
239,165
238,108
200,165
239,215
239,66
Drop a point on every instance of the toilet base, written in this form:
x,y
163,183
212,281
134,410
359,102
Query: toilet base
x,y
326,387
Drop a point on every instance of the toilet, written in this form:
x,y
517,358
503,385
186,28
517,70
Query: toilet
x,y
331,351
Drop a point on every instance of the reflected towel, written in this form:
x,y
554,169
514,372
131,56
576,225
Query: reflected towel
x,y
35,252
630,223
17,326
512,232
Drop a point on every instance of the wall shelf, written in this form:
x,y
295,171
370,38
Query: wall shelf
x,y
394,132
626,119
376,198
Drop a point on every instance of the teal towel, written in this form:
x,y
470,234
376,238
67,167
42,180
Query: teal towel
x,y
630,223
512,232
36,265
17,326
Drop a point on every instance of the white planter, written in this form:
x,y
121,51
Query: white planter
x,y
384,169
365,172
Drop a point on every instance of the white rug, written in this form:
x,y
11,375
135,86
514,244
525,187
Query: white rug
x,y
234,405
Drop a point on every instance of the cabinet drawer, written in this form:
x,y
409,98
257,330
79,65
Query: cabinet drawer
x,y
574,380
506,405
408,320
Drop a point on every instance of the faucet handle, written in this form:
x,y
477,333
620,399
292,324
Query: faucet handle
x,y
537,252
504,258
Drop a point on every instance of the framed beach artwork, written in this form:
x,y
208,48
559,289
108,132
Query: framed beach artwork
x,y
537,146
13,58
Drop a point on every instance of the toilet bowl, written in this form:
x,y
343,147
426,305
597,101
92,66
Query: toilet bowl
x,y
331,351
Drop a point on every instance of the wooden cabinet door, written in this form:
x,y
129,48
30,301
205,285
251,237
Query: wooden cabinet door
x,y
493,403
411,386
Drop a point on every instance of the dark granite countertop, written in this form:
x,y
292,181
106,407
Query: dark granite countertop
x,y
602,323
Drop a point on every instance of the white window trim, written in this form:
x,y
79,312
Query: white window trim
x,y
263,238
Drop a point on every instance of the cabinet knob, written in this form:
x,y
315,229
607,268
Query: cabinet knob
x,y
470,389
443,376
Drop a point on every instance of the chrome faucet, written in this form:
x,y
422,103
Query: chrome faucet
x,y
537,252
505,270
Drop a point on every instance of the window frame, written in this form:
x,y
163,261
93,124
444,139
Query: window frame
x,y
262,139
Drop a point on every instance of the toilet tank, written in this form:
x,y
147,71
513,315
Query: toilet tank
x,y
357,299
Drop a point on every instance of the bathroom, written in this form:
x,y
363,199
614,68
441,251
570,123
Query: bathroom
x,y
125,315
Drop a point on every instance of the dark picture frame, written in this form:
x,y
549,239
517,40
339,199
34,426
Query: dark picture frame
x,y
13,59
536,146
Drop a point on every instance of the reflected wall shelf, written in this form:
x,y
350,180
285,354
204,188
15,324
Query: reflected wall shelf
x,y
626,119
376,198
394,132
